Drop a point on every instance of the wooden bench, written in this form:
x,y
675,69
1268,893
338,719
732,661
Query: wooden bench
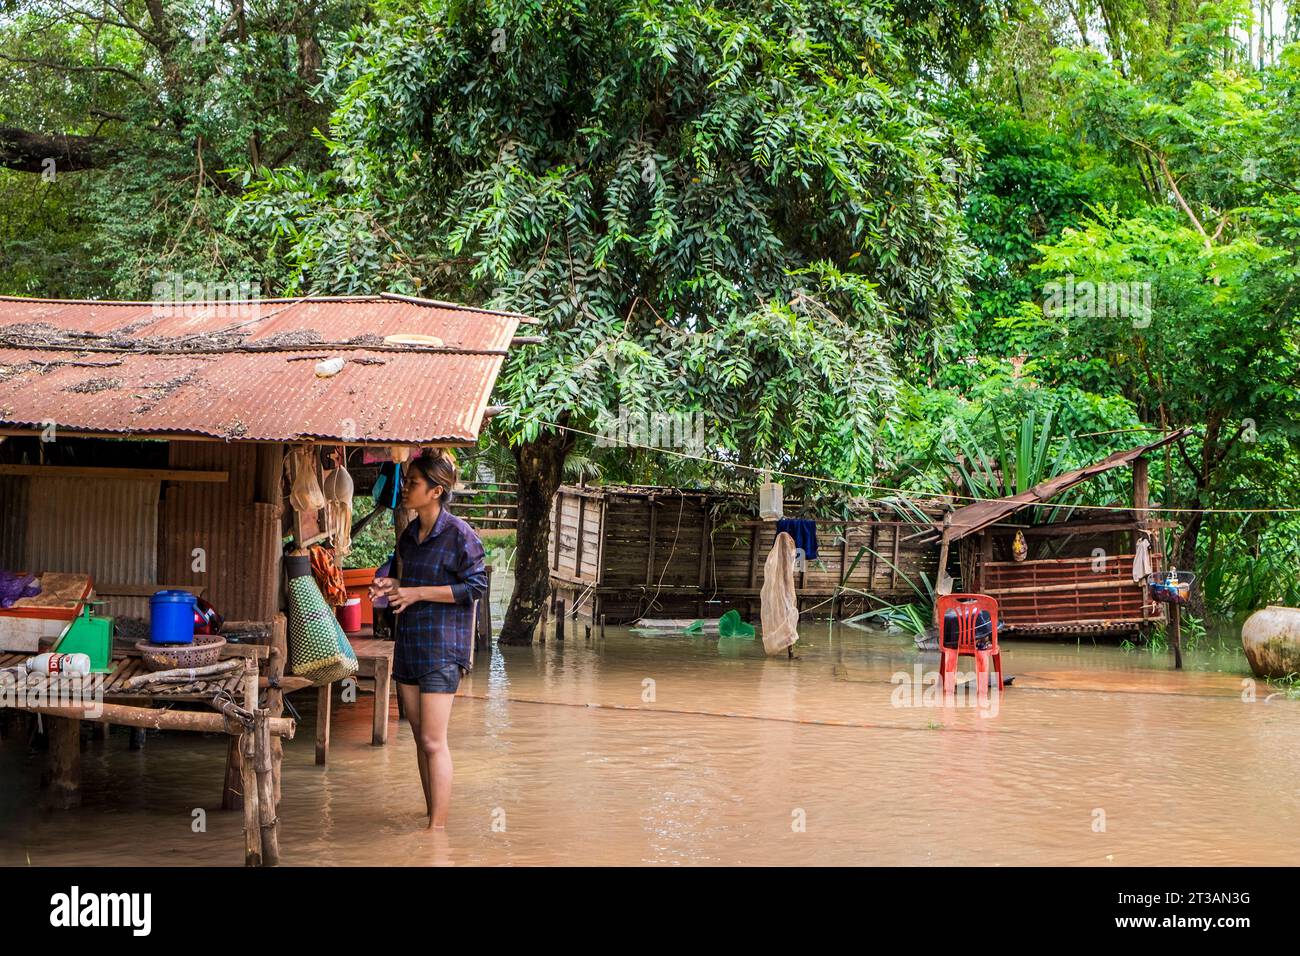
x,y
375,660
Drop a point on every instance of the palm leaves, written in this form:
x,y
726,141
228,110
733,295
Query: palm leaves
x,y
1014,463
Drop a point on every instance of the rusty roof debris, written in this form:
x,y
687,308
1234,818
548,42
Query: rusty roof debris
x,y
981,514
246,369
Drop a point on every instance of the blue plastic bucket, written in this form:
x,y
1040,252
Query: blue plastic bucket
x,y
171,617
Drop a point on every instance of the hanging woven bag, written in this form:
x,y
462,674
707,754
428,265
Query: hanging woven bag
x,y
318,648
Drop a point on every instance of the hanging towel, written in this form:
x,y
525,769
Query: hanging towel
x,y
804,533
1142,559
780,609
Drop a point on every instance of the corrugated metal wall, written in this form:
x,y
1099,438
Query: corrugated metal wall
x,y
239,535
13,522
107,528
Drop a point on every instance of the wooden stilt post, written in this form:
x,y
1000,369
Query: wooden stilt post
x,y
268,817
1176,634
252,816
324,697
63,763
602,627
232,794
137,739
559,620
276,664
248,776
383,690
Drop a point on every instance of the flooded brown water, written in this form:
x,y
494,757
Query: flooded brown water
x,y
1096,756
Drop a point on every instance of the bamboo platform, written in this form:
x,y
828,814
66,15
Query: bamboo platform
x,y
128,667
254,750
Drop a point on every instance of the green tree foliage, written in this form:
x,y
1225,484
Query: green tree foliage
x,y
742,210
130,123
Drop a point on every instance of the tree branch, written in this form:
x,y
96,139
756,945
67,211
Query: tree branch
x,y
28,152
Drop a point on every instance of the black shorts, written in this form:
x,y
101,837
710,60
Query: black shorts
x,y
441,680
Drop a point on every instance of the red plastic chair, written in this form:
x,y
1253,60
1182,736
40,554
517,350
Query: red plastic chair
x,y
967,608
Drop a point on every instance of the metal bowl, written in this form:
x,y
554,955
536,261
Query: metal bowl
x,y
205,650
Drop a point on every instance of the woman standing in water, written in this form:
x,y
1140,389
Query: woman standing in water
x,y
441,572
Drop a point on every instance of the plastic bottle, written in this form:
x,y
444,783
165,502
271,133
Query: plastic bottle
x,y
66,665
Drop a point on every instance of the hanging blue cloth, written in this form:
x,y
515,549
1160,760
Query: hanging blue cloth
x,y
388,486
804,532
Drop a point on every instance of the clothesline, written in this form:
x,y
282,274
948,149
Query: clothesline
x,y
907,494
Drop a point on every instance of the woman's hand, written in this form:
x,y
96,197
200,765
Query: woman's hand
x,y
400,598
382,587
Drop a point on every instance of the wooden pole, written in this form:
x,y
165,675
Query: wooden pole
x,y
559,620
252,816
1176,634
602,627
63,763
324,698
232,796
275,667
1141,492
268,816
155,719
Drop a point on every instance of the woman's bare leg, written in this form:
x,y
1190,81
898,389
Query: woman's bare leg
x,y
435,710
410,695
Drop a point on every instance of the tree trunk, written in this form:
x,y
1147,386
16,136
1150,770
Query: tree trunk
x,y
539,464
30,152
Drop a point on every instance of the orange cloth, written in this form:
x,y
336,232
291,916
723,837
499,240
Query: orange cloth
x,y
328,576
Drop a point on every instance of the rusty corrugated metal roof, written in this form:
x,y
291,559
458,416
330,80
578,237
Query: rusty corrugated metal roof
x,y
981,514
246,370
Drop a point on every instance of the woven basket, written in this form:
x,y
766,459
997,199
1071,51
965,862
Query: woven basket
x,y
205,650
318,648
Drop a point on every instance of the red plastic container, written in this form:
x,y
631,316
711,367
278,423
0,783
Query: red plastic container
x,y
357,581
349,616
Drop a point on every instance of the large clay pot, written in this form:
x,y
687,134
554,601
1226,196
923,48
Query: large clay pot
x,y
1271,638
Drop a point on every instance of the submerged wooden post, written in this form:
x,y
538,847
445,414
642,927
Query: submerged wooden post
x,y
602,627
1176,634
248,775
559,620
275,696
252,816
63,763
232,794
324,697
268,817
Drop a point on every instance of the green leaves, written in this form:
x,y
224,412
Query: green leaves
x,y
715,210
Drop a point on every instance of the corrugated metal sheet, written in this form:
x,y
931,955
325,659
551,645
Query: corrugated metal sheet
x,y
108,529
379,396
269,320
981,514
240,538
13,521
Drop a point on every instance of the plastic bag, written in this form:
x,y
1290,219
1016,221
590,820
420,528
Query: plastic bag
x,y
338,509
306,494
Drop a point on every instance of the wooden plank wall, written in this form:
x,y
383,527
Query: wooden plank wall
x,y
699,555
1061,590
575,518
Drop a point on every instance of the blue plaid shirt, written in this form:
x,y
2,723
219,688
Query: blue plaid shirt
x,y
431,634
